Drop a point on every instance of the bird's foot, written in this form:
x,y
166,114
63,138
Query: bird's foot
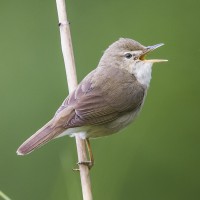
x,y
89,164
90,161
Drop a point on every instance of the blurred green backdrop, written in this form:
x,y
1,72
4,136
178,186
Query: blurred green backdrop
x,y
157,157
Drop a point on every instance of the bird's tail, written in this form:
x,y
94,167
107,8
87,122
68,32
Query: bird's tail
x,y
41,137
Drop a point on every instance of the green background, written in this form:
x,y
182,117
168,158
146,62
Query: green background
x,y
157,157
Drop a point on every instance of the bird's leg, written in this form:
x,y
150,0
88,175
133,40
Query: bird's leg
x,y
90,162
90,154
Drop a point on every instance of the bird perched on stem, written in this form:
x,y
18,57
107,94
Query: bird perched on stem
x,y
107,99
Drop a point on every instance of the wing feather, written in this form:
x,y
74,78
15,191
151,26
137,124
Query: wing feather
x,y
103,96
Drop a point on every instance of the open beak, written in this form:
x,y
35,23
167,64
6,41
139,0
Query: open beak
x,y
150,49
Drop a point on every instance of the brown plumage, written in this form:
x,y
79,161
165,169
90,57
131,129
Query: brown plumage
x,y
106,100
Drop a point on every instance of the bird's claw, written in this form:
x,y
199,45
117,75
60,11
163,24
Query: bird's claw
x,y
89,164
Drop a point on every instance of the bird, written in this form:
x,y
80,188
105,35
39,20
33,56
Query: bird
x,y
106,101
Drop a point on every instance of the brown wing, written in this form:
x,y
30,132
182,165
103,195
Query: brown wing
x,y
101,97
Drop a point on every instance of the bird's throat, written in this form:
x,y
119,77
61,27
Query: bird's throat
x,y
142,72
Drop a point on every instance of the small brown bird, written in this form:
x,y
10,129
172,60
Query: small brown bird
x,y
107,100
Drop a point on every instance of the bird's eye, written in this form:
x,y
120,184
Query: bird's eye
x,y
128,55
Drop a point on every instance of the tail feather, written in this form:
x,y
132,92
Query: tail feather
x,y
41,137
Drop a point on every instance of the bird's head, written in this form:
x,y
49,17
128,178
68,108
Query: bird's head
x,y
130,55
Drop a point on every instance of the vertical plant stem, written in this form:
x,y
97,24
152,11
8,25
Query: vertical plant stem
x,y
70,68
